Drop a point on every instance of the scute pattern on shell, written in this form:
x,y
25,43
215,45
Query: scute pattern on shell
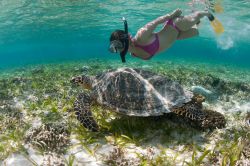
x,y
138,92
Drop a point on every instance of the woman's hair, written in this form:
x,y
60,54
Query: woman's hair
x,y
118,35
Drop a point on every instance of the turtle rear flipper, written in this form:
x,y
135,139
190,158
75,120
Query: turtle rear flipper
x,y
83,112
213,119
192,111
205,119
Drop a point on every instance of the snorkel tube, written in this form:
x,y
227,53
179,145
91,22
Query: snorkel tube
x,y
126,42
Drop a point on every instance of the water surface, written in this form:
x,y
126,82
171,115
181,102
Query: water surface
x,y
46,31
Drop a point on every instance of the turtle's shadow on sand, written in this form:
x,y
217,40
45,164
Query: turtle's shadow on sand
x,y
168,129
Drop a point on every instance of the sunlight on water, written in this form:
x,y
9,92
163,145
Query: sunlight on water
x,y
52,29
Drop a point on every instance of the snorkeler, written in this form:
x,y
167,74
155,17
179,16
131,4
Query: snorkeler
x,y
147,43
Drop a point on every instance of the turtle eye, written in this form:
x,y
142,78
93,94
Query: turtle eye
x,y
73,80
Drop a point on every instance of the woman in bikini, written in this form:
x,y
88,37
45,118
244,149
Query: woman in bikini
x,y
148,43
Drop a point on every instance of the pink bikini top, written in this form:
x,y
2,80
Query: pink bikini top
x,y
151,48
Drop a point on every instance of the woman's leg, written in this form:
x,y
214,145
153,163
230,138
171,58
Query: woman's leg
x,y
188,34
187,22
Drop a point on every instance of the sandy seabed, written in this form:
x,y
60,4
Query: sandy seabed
x,y
38,126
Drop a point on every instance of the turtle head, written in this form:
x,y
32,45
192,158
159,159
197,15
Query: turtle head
x,y
84,80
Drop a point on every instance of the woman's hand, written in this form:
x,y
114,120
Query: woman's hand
x,y
176,13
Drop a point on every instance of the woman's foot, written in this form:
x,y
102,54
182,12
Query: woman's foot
x,y
211,17
176,13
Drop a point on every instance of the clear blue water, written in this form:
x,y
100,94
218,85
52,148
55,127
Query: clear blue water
x,y
45,31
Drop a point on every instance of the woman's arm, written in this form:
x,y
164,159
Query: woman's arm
x,y
148,29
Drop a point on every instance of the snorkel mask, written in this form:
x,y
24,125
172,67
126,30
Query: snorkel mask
x,y
116,46
121,45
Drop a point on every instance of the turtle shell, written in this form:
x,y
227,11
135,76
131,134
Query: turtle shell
x,y
137,92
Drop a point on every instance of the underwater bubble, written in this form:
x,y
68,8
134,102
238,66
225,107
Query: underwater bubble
x,y
225,42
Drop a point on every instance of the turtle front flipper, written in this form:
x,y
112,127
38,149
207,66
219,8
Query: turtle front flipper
x,y
83,112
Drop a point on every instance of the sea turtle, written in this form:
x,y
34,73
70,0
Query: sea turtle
x,y
137,92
